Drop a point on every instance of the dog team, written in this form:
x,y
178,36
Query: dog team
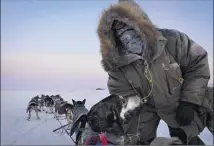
x,y
55,104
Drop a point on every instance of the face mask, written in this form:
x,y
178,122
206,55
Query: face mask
x,y
128,37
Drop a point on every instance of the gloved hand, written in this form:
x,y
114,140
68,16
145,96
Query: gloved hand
x,y
185,113
131,113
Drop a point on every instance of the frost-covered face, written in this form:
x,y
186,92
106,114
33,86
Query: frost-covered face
x,y
128,37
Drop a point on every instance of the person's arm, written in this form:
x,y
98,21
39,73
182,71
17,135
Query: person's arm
x,y
118,84
193,60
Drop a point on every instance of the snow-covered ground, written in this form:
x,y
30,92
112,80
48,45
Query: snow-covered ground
x,y
16,130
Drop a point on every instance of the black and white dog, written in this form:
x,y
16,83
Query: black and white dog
x,y
59,104
64,108
79,118
42,102
109,115
33,106
49,102
111,109
56,97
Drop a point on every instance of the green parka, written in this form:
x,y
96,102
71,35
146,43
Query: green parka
x,y
177,70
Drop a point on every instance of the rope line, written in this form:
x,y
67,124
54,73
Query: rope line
x,y
65,129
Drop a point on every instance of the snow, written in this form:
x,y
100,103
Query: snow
x,y
16,130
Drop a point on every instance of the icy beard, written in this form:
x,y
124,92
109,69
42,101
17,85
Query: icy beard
x,y
129,38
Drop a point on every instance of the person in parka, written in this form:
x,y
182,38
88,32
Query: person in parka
x,y
163,70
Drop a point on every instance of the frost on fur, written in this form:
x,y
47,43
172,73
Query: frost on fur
x,y
132,103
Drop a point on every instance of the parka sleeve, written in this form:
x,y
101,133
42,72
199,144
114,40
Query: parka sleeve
x,y
193,60
118,84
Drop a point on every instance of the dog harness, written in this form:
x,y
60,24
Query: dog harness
x,y
99,139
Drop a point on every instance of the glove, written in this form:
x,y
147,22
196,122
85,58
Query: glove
x,y
185,113
131,113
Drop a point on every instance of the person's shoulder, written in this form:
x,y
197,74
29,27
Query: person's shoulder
x,y
174,33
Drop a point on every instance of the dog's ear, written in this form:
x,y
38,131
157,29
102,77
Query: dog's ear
x,y
73,101
83,101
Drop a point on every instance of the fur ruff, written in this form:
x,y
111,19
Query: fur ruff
x,y
134,17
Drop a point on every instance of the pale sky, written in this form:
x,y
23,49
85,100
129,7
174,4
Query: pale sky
x,y
53,45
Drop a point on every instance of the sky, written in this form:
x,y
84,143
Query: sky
x,y
53,44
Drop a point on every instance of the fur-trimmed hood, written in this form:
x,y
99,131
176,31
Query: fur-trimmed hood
x,y
128,12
